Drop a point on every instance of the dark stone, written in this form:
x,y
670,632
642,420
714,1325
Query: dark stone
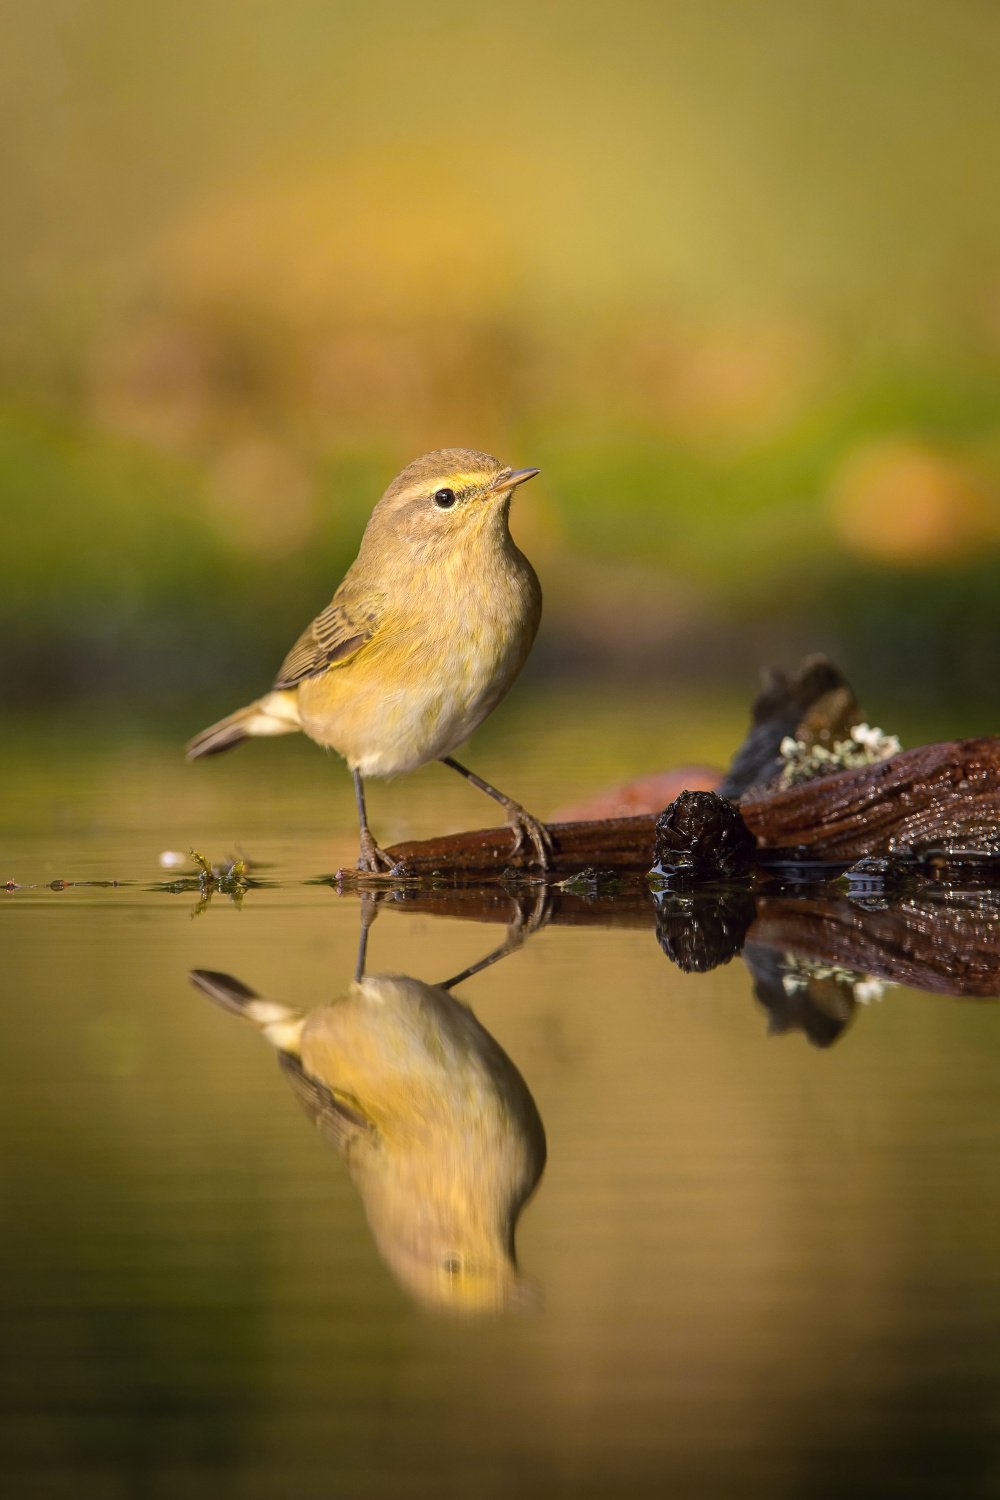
x,y
592,882
878,876
701,838
699,931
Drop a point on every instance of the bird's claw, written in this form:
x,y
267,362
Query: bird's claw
x,y
373,860
523,824
525,924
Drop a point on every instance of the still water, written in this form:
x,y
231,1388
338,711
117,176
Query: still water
x,y
251,1254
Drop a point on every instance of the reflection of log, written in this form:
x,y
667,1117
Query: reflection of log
x,y
944,796
949,945
494,903
950,948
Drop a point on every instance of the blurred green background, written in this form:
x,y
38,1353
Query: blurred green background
x,y
729,272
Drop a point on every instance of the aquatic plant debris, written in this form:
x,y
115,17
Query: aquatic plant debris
x,y
62,885
591,882
229,878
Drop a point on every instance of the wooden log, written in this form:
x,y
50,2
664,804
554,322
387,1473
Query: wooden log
x,y
617,843
938,798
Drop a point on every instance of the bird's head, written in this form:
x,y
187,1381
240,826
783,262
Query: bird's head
x,y
463,1284
447,496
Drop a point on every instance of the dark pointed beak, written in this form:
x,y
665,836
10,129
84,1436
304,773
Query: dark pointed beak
x,y
505,482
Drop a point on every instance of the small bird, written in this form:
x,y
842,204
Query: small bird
x,y
433,1121
427,632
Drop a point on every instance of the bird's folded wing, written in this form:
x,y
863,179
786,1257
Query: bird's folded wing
x,y
334,1118
334,636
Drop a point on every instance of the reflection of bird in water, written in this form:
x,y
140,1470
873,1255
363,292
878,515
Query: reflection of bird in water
x,y
431,1118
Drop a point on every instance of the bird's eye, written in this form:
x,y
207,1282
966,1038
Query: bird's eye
x,y
452,1265
444,499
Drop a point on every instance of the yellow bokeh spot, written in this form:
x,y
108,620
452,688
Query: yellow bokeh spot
x,y
898,501
384,234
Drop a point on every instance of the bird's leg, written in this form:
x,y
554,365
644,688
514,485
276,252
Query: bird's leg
x,y
372,860
516,818
369,911
520,928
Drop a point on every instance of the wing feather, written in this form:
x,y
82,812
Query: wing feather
x,y
334,1118
334,636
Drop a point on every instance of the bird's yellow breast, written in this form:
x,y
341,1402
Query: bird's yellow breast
x,y
454,634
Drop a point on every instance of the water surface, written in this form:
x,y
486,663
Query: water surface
x,y
752,1264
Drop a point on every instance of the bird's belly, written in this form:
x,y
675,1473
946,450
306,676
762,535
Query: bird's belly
x,y
392,711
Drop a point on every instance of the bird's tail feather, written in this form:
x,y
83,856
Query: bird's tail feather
x,y
275,713
279,1023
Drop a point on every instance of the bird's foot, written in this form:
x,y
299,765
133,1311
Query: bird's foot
x,y
524,825
373,860
526,923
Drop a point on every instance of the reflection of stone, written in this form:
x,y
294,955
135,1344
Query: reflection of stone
x,y
434,1123
700,931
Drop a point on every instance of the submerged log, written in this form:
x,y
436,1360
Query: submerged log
x,y
941,799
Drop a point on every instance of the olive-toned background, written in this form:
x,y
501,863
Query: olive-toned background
x,y
729,273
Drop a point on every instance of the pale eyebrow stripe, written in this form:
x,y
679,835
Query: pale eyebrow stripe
x,y
466,481
455,482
